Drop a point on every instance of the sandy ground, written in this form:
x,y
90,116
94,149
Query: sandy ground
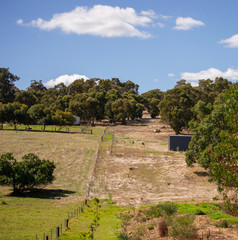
x,y
141,170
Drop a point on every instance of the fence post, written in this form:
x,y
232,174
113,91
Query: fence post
x,y
36,237
67,223
61,229
57,232
44,236
51,233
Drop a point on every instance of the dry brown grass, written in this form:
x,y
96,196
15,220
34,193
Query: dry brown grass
x,y
141,170
73,155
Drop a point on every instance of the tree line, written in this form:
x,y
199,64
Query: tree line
x,y
97,99
92,100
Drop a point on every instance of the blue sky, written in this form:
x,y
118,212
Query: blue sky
x,y
153,43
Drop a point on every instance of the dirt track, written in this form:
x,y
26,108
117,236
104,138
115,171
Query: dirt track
x,y
141,170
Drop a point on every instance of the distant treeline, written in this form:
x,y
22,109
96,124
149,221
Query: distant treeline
x,y
97,99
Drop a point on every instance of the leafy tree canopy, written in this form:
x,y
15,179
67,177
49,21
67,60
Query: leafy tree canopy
x,y
175,108
215,145
27,174
7,89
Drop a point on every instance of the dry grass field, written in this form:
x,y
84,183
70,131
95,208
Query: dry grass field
x,y
141,170
73,154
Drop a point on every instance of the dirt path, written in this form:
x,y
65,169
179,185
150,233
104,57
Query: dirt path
x,y
141,170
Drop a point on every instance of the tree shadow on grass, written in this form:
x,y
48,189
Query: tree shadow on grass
x,y
43,193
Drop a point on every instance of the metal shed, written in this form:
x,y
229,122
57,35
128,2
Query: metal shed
x,y
179,142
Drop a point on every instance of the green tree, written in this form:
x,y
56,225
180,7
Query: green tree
x,y
38,89
222,157
61,89
208,90
76,87
61,118
120,109
3,116
215,144
176,107
36,113
50,97
61,103
153,107
7,87
26,97
88,106
152,100
15,113
27,174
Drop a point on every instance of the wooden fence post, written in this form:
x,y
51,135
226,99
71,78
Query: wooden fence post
x,y
67,223
57,232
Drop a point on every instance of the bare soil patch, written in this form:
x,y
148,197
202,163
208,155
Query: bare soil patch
x,y
142,171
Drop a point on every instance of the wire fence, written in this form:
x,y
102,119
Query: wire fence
x,y
55,232
112,142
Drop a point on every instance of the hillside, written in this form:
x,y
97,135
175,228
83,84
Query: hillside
x,y
141,170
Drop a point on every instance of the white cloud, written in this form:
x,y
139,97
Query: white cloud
x,y
164,17
20,21
161,24
100,20
187,23
231,42
212,73
171,75
156,80
66,79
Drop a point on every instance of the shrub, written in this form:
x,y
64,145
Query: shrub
x,y
163,228
161,210
168,208
224,224
153,211
124,236
26,174
125,218
182,227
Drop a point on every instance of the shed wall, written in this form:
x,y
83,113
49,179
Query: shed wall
x,y
179,142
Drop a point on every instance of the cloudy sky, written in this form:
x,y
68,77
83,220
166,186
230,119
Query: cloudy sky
x,y
153,43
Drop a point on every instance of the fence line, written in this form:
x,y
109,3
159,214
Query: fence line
x,y
112,142
58,230
95,163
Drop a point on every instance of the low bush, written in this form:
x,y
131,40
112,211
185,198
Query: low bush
x,y
182,227
163,228
224,224
124,236
161,210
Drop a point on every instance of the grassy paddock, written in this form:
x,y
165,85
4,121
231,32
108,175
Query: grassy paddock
x,y
108,227
24,217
